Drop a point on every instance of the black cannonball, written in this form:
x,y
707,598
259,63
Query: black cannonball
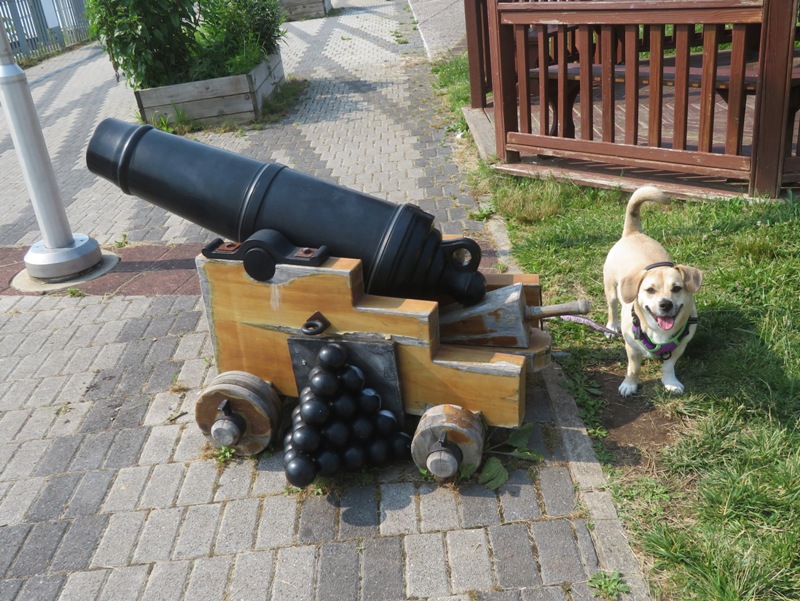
x,y
344,406
329,462
369,402
315,411
352,379
336,434
378,452
301,471
362,428
287,439
306,438
386,422
354,458
306,394
401,446
332,356
291,453
324,384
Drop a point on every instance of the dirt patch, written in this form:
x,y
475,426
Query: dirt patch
x,y
636,429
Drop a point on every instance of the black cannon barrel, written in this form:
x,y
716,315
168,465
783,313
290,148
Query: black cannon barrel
x,y
235,196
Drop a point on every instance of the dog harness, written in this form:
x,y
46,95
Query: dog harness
x,y
664,350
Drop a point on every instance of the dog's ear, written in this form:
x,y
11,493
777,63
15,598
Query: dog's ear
x,y
692,278
629,286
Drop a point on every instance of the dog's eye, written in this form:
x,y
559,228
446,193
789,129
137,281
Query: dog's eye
x,y
676,289
650,290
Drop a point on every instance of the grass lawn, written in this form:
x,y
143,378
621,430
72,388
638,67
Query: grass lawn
x,y
715,508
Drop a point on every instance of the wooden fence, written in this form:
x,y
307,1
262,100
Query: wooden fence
x,y
708,88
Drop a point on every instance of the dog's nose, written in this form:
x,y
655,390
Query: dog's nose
x,y
665,305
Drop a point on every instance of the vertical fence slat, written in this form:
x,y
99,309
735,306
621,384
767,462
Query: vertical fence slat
x,y
504,83
561,53
476,59
736,105
544,90
585,54
682,48
524,82
707,85
607,53
632,84
656,89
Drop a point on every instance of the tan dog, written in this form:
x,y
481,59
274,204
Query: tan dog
x,y
658,316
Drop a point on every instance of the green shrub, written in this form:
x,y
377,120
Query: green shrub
x,y
163,42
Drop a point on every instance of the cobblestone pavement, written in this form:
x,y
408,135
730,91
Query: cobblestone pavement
x,y
107,488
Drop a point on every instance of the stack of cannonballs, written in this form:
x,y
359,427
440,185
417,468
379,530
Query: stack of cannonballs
x,y
339,424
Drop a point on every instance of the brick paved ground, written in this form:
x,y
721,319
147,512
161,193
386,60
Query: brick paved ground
x,y
107,490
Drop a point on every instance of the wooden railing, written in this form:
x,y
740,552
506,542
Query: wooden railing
x,y
630,95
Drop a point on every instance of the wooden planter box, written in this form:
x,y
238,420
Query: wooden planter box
x,y
297,10
237,98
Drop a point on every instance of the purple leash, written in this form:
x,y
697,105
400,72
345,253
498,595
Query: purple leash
x,y
588,322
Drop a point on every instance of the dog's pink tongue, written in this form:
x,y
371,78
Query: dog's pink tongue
x,y
665,323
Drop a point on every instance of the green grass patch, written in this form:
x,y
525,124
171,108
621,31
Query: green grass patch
x,y
718,511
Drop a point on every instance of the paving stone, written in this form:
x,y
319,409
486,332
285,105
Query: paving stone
x,y
25,460
208,579
127,488
518,497
119,540
497,596
167,581
559,557
382,569
158,535
317,519
90,493
512,552
426,569
338,570
37,423
294,574
270,477
235,480
79,543
160,444
125,584
69,421
18,499
11,539
199,483
468,559
163,406
59,455
278,519
438,508
580,591
478,506
251,580
197,531
545,593
586,546
238,527
163,486
42,588
125,449
54,498
9,589
398,508
37,550
92,452
558,491
83,586
358,515
191,445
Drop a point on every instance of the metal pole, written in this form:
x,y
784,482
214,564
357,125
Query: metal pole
x,y
60,255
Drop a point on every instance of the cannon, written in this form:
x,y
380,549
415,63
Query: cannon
x,y
279,213
324,312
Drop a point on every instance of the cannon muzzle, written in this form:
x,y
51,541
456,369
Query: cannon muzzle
x,y
236,197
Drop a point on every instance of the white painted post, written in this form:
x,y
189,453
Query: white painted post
x,y
60,255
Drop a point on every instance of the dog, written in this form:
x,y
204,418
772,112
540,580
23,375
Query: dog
x,y
650,299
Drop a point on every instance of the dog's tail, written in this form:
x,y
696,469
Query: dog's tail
x,y
633,221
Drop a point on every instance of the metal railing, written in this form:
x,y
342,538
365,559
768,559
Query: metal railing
x,y
41,28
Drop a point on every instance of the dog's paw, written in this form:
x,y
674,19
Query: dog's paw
x,y
672,385
614,327
628,387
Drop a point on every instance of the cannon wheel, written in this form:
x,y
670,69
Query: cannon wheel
x,y
460,426
250,397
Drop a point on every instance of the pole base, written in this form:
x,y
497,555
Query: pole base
x,y
61,264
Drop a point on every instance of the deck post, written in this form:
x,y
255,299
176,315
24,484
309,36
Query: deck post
x,y
504,84
770,138
477,54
